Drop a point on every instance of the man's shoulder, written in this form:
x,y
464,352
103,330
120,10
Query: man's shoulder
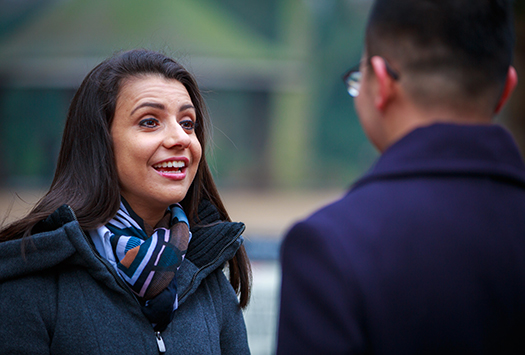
x,y
330,210
354,203
334,218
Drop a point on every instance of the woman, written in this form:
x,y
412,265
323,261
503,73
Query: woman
x,y
124,254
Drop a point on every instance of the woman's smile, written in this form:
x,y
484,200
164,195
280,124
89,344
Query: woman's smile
x,y
172,168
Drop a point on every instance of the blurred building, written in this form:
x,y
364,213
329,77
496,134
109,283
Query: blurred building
x,y
270,70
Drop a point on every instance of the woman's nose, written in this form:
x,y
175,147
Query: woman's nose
x,y
176,136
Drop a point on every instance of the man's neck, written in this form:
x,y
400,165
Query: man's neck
x,y
407,118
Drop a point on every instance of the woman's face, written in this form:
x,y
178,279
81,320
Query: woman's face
x,y
156,149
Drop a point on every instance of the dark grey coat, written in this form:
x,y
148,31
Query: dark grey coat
x,y
63,298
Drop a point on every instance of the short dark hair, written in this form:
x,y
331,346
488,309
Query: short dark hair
x,y
86,178
471,42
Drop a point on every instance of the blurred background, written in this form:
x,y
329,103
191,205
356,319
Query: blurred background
x,y
286,139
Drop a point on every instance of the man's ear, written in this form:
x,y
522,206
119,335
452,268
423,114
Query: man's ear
x,y
384,81
510,85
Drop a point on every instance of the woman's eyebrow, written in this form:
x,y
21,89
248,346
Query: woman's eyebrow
x,y
187,107
149,104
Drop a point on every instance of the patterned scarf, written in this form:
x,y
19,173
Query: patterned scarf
x,y
149,258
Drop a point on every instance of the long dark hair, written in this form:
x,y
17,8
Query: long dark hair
x,y
86,177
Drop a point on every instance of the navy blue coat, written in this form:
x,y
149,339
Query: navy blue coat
x,y
425,254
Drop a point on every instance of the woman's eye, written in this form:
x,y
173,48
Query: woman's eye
x,y
187,125
149,123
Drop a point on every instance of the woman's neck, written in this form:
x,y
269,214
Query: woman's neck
x,y
150,214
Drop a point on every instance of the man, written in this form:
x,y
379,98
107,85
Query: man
x,y
426,252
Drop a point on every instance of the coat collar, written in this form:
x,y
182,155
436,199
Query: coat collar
x,y
59,240
450,149
213,243
211,235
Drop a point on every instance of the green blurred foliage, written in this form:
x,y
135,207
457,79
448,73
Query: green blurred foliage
x,y
31,127
519,8
323,37
342,146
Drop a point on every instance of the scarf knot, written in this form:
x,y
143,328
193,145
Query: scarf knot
x,y
148,259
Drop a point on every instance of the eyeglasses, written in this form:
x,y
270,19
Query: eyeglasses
x,y
352,78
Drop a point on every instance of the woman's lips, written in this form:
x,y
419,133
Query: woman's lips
x,y
174,169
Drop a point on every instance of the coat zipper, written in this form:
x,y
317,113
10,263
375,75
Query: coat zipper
x,y
158,337
160,343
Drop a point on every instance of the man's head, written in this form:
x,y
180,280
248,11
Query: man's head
x,y
448,53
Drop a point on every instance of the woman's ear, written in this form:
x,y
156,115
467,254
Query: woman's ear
x,y
385,83
510,85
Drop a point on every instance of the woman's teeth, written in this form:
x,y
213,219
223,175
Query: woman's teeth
x,y
170,166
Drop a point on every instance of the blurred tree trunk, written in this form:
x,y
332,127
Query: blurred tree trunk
x,y
515,113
